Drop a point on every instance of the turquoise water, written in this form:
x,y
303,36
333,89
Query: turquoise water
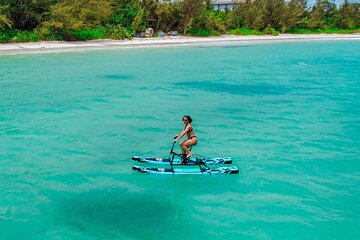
x,y
287,113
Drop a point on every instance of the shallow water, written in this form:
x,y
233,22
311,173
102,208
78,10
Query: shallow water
x,y
287,113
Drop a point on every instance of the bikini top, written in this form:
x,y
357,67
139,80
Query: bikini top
x,y
189,130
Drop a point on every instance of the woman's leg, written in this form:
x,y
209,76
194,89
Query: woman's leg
x,y
183,151
186,144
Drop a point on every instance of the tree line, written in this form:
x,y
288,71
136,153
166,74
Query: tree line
x,y
35,20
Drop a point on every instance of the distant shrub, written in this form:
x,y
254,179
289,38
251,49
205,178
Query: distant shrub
x,y
215,33
244,31
299,31
214,22
271,31
6,35
338,30
199,32
108,32
27,36
51,35
325,30
117,32
203,33
11,35
88,34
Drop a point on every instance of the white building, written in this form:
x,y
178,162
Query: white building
x,y
218,4
223,4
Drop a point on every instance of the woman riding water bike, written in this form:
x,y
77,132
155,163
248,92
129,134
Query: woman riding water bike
x,y
191,138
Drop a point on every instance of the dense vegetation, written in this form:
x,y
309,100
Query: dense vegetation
x,y
35,20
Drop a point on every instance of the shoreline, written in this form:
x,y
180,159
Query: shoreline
x,y
62,46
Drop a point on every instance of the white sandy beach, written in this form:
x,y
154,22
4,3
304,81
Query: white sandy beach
x,y
56,46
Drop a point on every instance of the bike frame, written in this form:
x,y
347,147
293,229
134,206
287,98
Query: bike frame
x,y
177,154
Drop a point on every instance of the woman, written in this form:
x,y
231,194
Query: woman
x,y
191,138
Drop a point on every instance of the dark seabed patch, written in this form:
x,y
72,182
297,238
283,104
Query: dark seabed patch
x,y
100,100
117,77
118,210
235,46
223,47
238,89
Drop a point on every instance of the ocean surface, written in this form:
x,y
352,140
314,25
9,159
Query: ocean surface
x,y
288,114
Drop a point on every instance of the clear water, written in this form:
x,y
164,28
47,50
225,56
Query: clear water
x,y
287,113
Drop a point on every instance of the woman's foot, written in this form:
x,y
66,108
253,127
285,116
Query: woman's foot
x,y
189,155
183,159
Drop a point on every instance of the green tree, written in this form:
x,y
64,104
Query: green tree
x,y
292,12
356,13
190,9
28,14
5,21
167,16
77,14
250,14
150,7
210,20
272,13
348,15
317,15
330,12
139,22
230,20
124,12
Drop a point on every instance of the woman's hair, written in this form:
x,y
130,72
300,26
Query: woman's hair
x,y
188,118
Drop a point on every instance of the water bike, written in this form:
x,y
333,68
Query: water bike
x,y
179,159
192,165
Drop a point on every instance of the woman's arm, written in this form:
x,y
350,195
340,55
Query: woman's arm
x,y
183,132
177,137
